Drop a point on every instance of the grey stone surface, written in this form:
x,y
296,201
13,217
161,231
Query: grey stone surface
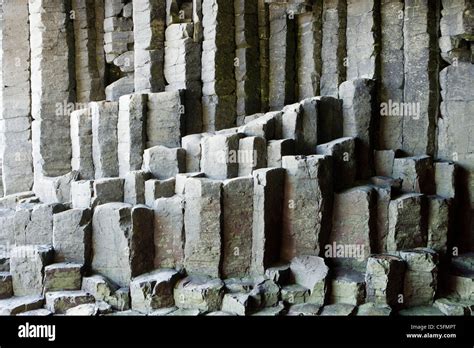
x,y
72,236
353,227
155,189
421,83
344,163
20,304
163,162
59,302
362,39
247,70
153,290
15,131
416,174
169,235
311,272
333,46
202,223
166,119
421,277
27,265
282,43
62,277
347,286
358,120
149,21
404,219
104,139
306,205
122,241
267,203
218,76
391,71
220,156
238,210
131,132
384,279
199,292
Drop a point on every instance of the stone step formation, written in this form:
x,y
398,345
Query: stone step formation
x,y
216,157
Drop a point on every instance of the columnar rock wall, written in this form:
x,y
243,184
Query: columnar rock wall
x,y
16,99
163,184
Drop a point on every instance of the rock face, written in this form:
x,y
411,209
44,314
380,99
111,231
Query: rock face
x,y
153,290
421,277
72,236
237,201
243,157
122,241
202,221
311,272
384,279
306,206
353,227
27,266
169,234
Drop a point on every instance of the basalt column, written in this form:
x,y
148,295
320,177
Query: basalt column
x,y
89,84
247,72
149,20
282,57
334,46
218,76
15,119
392,72
52,86
421,88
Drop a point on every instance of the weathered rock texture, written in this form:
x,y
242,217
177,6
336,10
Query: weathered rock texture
x,y
236,157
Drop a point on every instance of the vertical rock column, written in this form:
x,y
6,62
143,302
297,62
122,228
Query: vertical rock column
x,y
15,119
237,201
391,71
218,74
264,52
149,20
421,86
104,139
202,221
267,203
131,132
362,39
122,241
358,120
309,51
81,140
455,140
183,71
52,84
282,58
334,46
89,85
247,72
306,205
421,277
